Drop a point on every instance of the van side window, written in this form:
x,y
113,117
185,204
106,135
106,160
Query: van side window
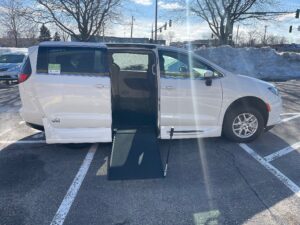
x,y
72,60
179,65
131,61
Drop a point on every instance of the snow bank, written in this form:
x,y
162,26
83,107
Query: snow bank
x,y
263,63
8,50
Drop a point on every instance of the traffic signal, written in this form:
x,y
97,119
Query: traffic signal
x,y
297,13
170,22
160,30
291,29
165,26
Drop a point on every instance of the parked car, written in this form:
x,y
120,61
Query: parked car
x,y
81,92
10,66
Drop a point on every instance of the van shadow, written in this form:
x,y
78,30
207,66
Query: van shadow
x,y
210,181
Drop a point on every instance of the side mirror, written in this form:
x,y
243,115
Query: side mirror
x,y
208,74
183,69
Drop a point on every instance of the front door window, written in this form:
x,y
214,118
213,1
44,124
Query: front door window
x,y
181,66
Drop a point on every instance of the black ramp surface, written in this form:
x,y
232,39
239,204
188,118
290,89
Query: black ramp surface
x,y
135,155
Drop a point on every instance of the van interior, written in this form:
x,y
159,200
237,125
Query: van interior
x,y
135,150
134,88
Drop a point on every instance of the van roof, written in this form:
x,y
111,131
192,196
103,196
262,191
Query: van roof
x,y
131,45
71,44
107,45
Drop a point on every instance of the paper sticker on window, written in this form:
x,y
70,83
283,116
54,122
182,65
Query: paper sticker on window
x,y
54,68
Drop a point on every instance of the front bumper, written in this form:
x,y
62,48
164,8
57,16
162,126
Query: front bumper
x,y
274,114
8,76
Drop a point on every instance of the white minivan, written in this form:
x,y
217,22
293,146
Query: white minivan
x,y
80,92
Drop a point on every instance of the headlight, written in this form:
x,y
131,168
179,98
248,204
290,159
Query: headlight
x,y
274,90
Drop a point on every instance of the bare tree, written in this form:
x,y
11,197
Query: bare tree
x,y
81,19
221,15
253,37
12,18
65,36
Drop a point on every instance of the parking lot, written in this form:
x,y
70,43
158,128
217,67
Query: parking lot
x,y
210,181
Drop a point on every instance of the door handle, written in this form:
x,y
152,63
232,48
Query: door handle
x,y
99,86
169,87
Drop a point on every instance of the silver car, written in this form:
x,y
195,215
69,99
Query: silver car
x,y
10,65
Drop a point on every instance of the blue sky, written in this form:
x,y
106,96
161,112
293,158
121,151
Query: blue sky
x,y
143,12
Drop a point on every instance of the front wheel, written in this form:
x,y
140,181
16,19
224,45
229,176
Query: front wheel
x,y
243,125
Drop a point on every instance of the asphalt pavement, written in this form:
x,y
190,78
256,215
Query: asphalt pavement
x,y
209,181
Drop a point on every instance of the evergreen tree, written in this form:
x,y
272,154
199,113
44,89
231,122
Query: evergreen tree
x,y
56,37
44,34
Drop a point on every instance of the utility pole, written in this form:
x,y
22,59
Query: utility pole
x,y
103,33
152,31
131,32
156,7
237,34
265,34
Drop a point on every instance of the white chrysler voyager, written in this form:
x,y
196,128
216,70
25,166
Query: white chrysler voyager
x,y
82,92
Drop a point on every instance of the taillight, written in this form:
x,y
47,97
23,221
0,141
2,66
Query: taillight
x,y
25,71
23,77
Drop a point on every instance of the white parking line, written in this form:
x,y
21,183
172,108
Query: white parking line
x,y
287,114
67,202
285,180
290,118
282,152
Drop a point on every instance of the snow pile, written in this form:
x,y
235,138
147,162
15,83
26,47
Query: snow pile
x,y
12,50
263,63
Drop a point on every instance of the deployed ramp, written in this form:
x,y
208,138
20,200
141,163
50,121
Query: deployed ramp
x,y
135,155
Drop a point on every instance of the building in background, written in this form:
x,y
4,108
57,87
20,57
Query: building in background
x,y
195,43
286,47
22,42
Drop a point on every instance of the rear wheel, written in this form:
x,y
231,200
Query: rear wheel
x,y
243,125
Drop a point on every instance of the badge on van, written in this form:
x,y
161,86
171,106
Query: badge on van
x,y
53,68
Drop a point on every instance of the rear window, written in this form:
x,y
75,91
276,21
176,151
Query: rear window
x,y
72,60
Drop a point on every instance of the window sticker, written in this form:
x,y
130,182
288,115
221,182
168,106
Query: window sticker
x,y
53,68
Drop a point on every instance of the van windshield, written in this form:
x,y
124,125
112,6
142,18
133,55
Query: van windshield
x,y
11,58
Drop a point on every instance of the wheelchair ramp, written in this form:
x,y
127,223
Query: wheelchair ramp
x,y
135,155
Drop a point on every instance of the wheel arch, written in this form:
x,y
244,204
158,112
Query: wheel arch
x,y
248,102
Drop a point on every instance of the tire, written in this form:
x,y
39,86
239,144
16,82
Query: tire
x,y
236,129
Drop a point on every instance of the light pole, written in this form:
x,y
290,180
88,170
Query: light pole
x,y
265,34
131,31
155,30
